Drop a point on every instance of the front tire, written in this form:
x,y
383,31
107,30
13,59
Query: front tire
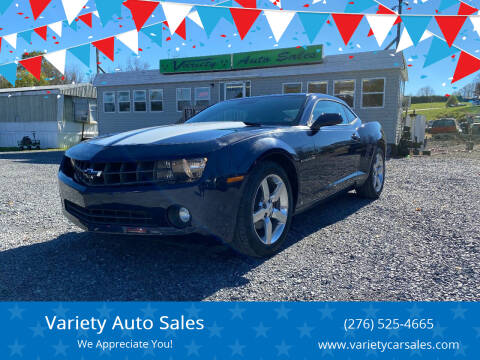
x,y
373,186
265,212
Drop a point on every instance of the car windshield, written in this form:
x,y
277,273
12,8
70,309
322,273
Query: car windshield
x,y
268,110
444,122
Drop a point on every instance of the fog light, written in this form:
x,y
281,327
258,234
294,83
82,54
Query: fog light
x,y
184,215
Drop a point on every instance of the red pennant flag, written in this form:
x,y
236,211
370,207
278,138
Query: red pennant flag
x,y
182,30
466,9
33,65
347,24
244,19
450,26
1,44
42,32
467,64
38,6
252,4
106,46
370,33
87,19
385,11
141,11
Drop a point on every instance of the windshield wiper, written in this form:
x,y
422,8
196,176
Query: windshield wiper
x,y
251,123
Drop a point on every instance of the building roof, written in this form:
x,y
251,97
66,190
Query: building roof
x,y
79,90
364,61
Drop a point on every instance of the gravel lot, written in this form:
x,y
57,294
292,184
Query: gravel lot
x,y
420,241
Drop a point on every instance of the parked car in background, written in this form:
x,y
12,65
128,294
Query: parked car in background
x,y
445,126
238,170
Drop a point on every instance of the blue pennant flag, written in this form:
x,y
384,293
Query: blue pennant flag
x,y
73,25
26,35
439,50
107,8
210,17
416,26
82,53
4,5
154,32
444,4
9,72
312,23
358,6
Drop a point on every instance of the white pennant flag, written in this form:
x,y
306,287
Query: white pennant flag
x,y
426,35
57,27
475,19
406,40
57,59
279,21
175,13
11,39
381,25
130,39
276,3
196,18
72,8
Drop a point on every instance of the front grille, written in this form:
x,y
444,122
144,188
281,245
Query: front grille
x,y
109,216
114,173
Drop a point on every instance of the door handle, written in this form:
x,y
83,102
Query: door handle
x,y
355,137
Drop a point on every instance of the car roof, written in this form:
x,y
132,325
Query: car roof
x,y
312,96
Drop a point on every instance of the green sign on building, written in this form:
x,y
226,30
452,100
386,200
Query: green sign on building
x,y
246,60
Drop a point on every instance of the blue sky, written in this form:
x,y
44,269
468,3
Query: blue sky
x,y
260,37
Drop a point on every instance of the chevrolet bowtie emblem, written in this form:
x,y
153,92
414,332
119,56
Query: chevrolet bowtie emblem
x,y
92,174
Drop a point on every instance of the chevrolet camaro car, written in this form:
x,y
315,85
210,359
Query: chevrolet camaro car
x,y
239,170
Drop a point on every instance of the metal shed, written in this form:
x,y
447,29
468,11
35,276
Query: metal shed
x,y
56,115
371,82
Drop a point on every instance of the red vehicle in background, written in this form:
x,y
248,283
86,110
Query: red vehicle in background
x,y
444,126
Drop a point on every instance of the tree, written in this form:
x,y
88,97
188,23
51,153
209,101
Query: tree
x,y
135,64
452,101
426,91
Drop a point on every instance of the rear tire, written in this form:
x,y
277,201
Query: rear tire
x,y
265,212
373,186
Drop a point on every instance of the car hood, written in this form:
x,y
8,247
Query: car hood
x,y
171,141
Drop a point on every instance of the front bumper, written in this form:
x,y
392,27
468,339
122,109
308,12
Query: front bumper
x,y
213,206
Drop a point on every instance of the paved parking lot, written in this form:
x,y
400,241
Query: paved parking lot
x,y
420,241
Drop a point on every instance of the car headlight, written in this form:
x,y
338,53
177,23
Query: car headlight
x,y
182,170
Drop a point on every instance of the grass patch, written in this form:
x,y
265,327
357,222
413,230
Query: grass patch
x,y
9,149
438,110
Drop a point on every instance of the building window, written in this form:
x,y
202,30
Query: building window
x,y
140,100
373,92
156,100
202,97
317,87
292,88
109,102
345,90
123,101
184,99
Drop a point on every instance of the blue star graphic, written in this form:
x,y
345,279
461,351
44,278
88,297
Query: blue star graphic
x,y
104,311
38,330
459,312
305,330
261,330
237,312
327,312
371,311
82,333
283,348
16,349
438,330
60,311
415,311
237,349
60,348
215,330
148,311
415,352
395,333
477,330
126,333
193,348
16,312
461,350
282,312
193,311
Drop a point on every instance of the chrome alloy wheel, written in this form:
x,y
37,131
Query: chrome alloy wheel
x,y
270,209
378,172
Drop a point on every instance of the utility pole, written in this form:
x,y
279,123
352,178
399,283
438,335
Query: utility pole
x,y
399,8
99,68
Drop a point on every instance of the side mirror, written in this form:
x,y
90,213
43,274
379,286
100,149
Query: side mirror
x,y
327,120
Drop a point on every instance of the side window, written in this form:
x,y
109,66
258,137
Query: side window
x,y
327,107
349,115
109,102
140,100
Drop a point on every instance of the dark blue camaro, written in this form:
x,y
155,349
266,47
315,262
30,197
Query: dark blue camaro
x,y
239,170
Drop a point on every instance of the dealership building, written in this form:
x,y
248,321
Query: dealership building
x,y
372,83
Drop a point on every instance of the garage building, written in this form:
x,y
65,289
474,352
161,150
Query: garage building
x,y
372,83
56,115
